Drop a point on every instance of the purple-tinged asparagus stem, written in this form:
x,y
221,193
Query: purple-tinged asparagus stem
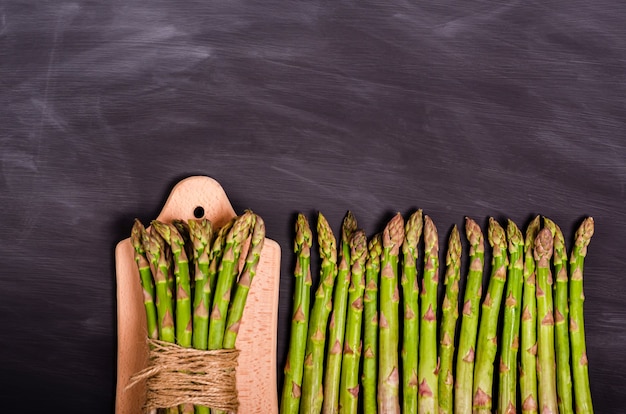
x,y
428,394
469,322
370,330
582,392
337,326
450,314
292,386
388,323
410,296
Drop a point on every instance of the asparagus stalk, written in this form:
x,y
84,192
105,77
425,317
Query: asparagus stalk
x,y
528,357
292,386
183,290
349,385
428,395
561,314
410,295
200,232
183,286
312,389
238,304
228,271
546,362
337,324
487,333
164,305
389,378
582,392
159,257
469,321
370,330
450,314
138,233
507,396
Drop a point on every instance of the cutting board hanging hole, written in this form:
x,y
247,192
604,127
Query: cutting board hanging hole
x,y
198,212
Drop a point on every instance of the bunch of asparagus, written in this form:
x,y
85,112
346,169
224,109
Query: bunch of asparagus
x,y
187,268
373,339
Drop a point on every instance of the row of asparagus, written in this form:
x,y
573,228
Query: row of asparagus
x,y
353,350
187,268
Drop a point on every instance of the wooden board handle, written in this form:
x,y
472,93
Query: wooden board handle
x,y
256,373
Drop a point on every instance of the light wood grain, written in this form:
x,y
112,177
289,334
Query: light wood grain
x,y
256,373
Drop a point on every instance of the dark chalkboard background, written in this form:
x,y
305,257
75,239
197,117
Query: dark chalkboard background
x,y
479,108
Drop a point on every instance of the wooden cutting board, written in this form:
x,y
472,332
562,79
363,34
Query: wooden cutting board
x,y
256,373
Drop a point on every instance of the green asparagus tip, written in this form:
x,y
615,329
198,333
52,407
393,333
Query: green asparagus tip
x,y
543,245
358,247
413,232
474,235
584,233
241,228
304,236
496,235
431,239
163,230
375,249
514,235
393,235
201,232
137,236
327,241
455,248
348,227
258,234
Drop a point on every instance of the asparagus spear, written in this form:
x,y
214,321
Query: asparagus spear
x,y
469,321
227,273
389,378
165,310
312,390
235,312
370,331
450,314
138,233
487,333
546,361
183,287
349,390
528,357
158,256
561,314
292,386
428,396
410,295
507,396
200,232
338,320
582,392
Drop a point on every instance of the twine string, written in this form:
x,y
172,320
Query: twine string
x,y
177,375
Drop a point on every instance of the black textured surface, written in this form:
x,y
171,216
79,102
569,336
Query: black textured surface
x,y
475,108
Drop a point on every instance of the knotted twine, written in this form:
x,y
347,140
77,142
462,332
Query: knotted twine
x,y
177,375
